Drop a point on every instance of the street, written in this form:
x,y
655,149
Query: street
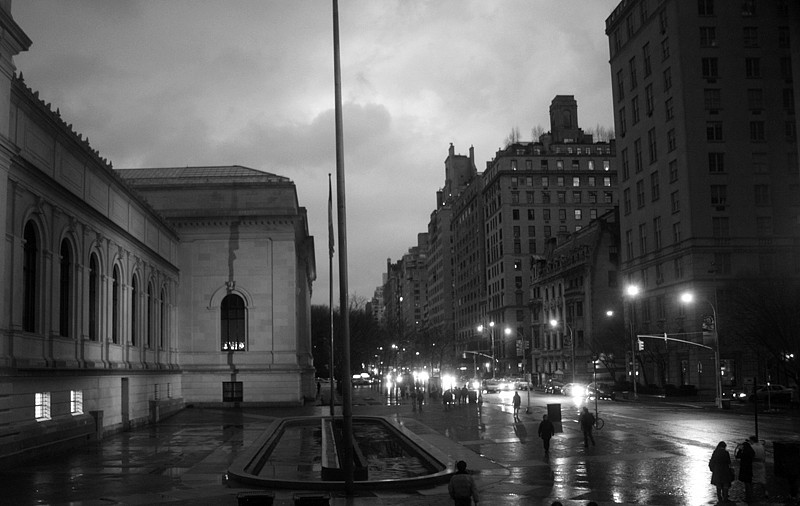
x,y
649,452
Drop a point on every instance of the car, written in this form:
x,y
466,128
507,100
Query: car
x,y
553,387
600,391
520,384
492,385
772,393
574,390
736,394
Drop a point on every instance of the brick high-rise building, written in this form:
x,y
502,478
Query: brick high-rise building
x,y
706,124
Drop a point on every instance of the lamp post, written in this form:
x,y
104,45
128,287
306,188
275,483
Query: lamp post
x,y
554,324
688,298
481,328
632,291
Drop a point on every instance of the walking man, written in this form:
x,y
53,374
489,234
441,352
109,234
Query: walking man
x,y
462,487
546,431
587,424
517,402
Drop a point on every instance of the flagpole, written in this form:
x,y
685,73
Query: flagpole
x,y
347,414
330,287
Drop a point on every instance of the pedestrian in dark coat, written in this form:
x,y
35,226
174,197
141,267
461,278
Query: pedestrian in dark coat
x,y
587,424
546,431
462,487
746,454
721,471
517,402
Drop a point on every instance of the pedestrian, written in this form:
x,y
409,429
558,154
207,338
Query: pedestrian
x,y
319,387
462,487
721,471
420,400
464,394
517,402
587,424
759,466
546,431
745,454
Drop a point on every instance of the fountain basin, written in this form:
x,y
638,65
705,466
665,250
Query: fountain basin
x,y
289,455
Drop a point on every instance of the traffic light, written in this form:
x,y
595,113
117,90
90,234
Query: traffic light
x,y
641,344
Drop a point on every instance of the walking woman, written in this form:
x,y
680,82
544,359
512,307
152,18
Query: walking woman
x,y
721,471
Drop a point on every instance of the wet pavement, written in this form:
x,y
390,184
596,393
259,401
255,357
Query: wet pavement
x,y
649,452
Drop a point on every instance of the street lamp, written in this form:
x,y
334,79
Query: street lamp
x,y
688,298
632,291
491,335
554,324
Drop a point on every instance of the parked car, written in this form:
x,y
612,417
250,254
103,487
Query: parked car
x,y
574,390
553,387
774,393
736,394
520,384
492,385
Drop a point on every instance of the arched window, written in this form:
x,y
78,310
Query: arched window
x,y
94,297
151,309
162,336
134,307
65,290
116,296
232,316
30,261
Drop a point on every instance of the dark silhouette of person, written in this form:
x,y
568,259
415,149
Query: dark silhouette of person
x,y
721,471
587,424
462,487
746,454
516,402
546,431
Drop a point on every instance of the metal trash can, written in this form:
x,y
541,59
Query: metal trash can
x,y
312,499
787,459
726,404
554,415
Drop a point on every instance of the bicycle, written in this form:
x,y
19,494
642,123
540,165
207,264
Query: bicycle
x,y
599,423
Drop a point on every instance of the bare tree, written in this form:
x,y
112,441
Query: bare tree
x,y
601,133
512,138
537,132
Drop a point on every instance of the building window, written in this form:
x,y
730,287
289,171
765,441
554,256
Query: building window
x,y
559,164
657,232
620,85
708,36
623,126
719,194
676,232
162,334
712,98
786,68
748,8
669,109
716,162
545,181
673,171
637,155
592,214
757,131
677,266
232,319
714,130
635,110
665,49
562,214
788,100
232,391
705,7
759,163
722,263
667,78
755,99
515,214
626,200
606,181
710,68
648,94
632,71
663,22
578,214
576,181
30,277
762,195
640,194
648,67
652,146
675,202
593,197
672,142
94,297
116,297
752,68
629,244
42,406
76,402
134,310
545,197
592,181
531,214
608,197
655,186
750,36
626,174
560,181
642,239
65,290
764,226
576,197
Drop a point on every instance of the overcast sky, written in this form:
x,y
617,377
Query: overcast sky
x,y
164,83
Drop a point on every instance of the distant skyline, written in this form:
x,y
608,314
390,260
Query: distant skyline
x,y
249,82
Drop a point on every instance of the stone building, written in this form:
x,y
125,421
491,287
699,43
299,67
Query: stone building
x,y
118,305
